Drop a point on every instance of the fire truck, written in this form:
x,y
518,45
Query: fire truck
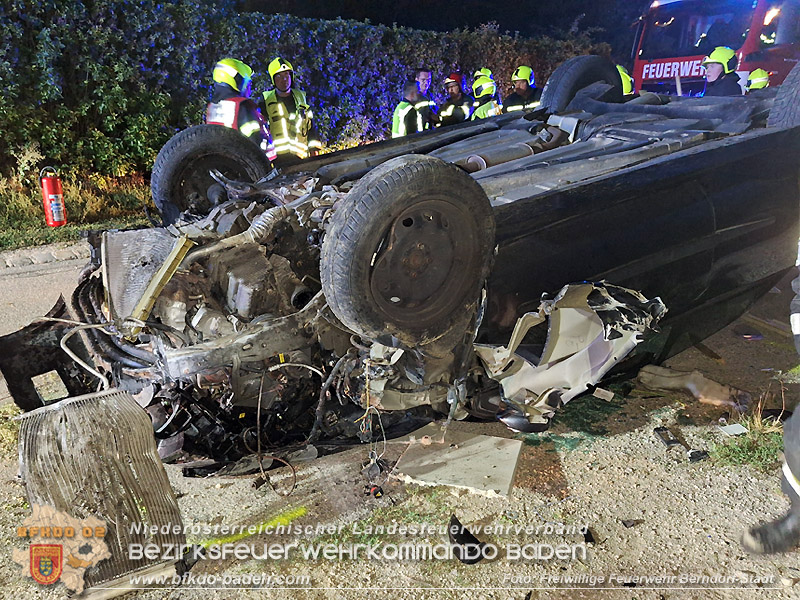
x,y
674,35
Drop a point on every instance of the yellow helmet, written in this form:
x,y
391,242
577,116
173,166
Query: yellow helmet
x,y
484,72
279,65
757,80
627,80
483,86
233,73
524,73
724,56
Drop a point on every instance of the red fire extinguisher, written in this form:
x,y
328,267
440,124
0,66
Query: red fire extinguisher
x,y
55,213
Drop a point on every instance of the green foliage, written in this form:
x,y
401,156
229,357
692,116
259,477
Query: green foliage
x,y
757,448
100,86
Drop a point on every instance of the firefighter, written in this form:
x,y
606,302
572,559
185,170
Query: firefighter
x,y
485,72
627,81
458,107
486,106
406,118
783,534
231,105
721,76
425,106
526,95
757,80
290,116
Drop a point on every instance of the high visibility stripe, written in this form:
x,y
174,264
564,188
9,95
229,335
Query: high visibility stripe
x,y
227,68
250,128
790,477
515,107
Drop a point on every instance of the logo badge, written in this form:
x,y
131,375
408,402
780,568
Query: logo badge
x,y
46,562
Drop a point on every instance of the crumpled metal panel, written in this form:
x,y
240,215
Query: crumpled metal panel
x,y
592,326
130,259
95,456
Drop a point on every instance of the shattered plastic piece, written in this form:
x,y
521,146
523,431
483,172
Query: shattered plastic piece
x,y
747,332
696,455
666,437
588,536
466,547
592,326
734,429
606,395
702,388
628,523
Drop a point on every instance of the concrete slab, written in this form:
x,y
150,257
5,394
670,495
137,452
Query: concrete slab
x,y
478,463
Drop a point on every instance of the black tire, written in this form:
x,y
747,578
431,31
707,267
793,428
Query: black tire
x,y
180,179
409,252
575,74
786,107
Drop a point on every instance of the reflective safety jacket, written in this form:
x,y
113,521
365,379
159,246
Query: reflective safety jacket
x,y
427,110
290,121
406,119
241,114
456,112
489,108
517,102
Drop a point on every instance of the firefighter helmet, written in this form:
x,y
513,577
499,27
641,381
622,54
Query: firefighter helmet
x,y
524,73
484,72
484,86
627,80
454,78
724,56
233,73
757,80
279,65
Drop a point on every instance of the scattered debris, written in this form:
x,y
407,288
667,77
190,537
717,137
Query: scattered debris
x,y
669,440
628,523
466,547
734,429
747,332
666,436
588,536
606,395
702,388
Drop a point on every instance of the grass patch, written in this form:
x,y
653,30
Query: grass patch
x,y
9,431
760,447
93,202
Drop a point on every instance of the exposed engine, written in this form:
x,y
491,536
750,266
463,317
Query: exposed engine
x,y
223,335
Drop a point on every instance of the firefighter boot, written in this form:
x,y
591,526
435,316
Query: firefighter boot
x,y
783,534
780,535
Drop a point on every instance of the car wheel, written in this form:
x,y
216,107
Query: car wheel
x,y
181,179
409,251
786,107
575,74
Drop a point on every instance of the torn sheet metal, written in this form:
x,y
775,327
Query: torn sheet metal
x,y
592,326
481,464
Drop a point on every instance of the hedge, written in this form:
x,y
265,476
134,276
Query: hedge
x,y
100,86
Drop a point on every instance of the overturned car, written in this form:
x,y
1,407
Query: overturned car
x,y
495,269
